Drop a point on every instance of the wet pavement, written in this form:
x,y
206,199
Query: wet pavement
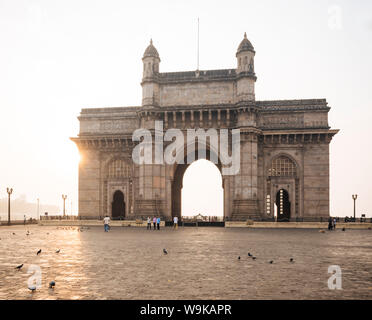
x,y
202,263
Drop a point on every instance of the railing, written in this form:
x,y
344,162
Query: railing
x,y
192,219
67,217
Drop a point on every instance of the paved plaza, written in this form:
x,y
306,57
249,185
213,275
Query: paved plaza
x,y
202,263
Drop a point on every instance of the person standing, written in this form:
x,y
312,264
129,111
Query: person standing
x,y
154,222
148,223
106,223
175,223
158,222
330,223
334,224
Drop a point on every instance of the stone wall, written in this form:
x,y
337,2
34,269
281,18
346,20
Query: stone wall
x,y
89,184
316,180
197,93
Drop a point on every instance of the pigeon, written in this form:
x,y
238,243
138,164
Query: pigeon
x,y
249,254
254,258
37,253
343,229
52,284
239,258
32,288
291,260
13,233
165,251
19,267
271,261
57,251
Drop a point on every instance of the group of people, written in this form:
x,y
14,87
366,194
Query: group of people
x,y
331,223
155,222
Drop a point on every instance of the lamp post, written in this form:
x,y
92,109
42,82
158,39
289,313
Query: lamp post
x,y
9,191
354,196
38,209
64,197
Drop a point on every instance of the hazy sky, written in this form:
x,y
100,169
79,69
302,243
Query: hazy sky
x,y
57,57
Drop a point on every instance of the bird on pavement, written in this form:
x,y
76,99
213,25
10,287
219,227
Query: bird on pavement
x,y
57,251
37,253
291,260
52,284
271,261
239,258
32,288
249,254
165,251
19,267
254,258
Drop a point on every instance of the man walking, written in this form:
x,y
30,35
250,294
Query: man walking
x,y
154,222
106,223
148,223
175,223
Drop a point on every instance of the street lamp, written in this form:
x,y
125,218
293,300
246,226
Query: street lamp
x,y
354,196
10,191
64,197
38,209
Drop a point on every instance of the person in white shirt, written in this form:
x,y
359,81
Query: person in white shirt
x,y
148,223
175,223
106,223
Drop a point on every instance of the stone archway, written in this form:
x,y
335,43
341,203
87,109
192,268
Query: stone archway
x,y
118,205
177,182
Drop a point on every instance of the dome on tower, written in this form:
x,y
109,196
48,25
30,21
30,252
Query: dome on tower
x,y
245,45
151,51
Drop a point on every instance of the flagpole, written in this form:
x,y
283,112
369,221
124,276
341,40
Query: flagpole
x,y
198,47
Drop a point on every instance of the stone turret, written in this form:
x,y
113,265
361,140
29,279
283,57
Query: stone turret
x,y
245,71
150,87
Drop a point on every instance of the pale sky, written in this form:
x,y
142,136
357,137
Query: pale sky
x,y
57,57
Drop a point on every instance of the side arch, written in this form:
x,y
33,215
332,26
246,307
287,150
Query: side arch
x,y
117,175
284,172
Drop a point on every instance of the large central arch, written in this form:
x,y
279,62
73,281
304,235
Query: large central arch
x,y
180,168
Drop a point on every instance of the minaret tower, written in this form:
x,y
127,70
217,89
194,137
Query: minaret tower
x,y
245,71
150,87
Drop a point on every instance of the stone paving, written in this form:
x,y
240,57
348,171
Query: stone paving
x,y
202,263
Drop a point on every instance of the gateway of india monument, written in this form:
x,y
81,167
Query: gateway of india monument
x,y
284,147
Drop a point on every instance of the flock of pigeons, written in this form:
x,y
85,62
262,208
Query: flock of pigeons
x,y
19,267
249,255
270,261
53,283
